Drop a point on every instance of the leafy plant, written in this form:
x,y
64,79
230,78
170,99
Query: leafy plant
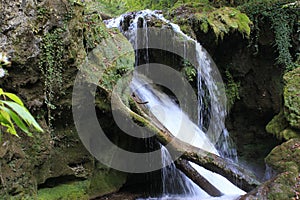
x,y
189,71
283,16
13,112
232,89
51,66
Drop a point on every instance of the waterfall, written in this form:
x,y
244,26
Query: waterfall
x,y
177,122
171,116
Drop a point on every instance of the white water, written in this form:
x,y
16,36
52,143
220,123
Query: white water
x,y
174,119
179,124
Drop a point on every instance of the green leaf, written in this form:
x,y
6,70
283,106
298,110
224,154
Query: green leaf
x,y
23,113
6,121
13,97
17,120
4,117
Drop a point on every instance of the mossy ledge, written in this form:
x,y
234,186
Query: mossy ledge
x,y
208,19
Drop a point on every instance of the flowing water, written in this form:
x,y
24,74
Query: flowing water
x,y
178,123
171,116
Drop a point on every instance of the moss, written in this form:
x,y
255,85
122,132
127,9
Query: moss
x,y
284,159
75,190
286,124
277,125
289,134
292,98
105,180
205,17
224,20
94,30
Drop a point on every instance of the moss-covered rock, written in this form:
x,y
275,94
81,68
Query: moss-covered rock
x,y
277,125
292,98
284,161
284,157
204,17
286,124
105,180
111,59
75,190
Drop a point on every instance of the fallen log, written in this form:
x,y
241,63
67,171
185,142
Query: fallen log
x,y
197,178
239,176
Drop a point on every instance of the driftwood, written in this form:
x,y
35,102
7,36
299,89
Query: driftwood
x,y
234,173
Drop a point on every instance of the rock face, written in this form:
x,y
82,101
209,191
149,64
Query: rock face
x,y
46,42
286,124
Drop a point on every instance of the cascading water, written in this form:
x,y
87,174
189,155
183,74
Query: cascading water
x,y
177,122
174,119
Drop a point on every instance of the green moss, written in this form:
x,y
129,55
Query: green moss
x,y
105,180
277,125
284,158
102,184
286,124
76,190
289,134
292,98
224,20
204,17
